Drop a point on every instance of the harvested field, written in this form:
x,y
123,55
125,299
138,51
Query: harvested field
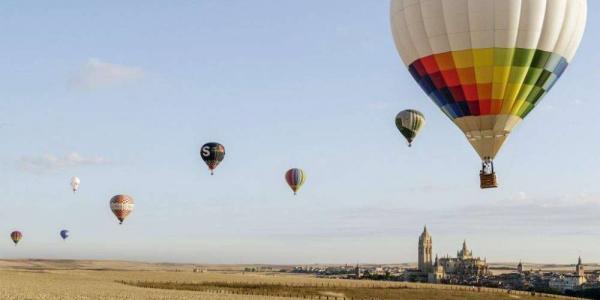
x,y
42,281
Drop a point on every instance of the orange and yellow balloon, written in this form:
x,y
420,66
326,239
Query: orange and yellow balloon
x,y
121,206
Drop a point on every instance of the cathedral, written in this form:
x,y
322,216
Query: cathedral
x,y
463,266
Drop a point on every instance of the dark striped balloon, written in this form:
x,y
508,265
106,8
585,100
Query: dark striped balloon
x,y
409,123
212,154
16,236
295,179
64,234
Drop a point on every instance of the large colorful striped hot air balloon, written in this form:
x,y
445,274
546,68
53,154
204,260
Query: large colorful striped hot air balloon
x,y
212,154
295,179
487,63
121,206
16,236
410,122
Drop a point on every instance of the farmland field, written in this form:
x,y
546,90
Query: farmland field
x,y
114,280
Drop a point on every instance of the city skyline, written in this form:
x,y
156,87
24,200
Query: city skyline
x,y
123,95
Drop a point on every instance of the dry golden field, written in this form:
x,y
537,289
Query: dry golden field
x,y
105,280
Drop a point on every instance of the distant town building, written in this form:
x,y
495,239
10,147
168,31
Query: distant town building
x,y
571,282
579,271
199,270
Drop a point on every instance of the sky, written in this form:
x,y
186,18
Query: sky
x,y
123,95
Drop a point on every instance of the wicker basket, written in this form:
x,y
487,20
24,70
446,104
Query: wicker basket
x,y
488,181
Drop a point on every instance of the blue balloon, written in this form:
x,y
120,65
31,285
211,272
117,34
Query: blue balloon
x,y
64,234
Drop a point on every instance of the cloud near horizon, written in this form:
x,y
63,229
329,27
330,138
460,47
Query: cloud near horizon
x,y
574,214
100,74
50,162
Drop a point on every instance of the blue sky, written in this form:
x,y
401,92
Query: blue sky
x,y
124,94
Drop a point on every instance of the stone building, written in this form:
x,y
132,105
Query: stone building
x,y
438,273
579,271
571,282
425,252
463,266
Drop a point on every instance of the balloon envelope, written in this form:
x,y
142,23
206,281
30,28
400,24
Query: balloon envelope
x,y
295,179
487,63
64,234
16,236
121,206
409,123
212,154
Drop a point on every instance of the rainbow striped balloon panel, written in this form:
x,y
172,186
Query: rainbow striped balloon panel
x,y
488,81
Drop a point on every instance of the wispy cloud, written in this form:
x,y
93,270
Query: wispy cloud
x,y
98,74
519,214
49,162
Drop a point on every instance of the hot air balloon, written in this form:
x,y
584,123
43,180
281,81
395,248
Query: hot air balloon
x,y
64,234
487,63
121,206
410,122
295,179
212,154
16,236
75,184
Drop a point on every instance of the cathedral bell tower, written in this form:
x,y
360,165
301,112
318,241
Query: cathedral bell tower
x,y
425,245
579,270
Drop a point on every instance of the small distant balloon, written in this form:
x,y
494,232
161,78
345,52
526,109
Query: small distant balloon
x,y
121,206
295,179
64,234
75,184
409,123
16,236
212,154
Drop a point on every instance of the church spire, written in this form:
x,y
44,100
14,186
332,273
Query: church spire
x,y
425,235
579,270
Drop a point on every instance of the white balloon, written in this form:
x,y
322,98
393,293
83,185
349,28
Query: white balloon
x,y
75,184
